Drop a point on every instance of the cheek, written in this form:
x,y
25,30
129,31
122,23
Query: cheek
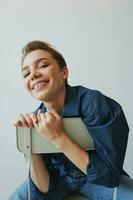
x,y
26,84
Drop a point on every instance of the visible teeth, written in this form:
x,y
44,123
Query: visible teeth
x,y
40,84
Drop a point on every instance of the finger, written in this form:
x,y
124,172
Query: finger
x,y
22,120
34,118
38,114
18,123
35,121
42,117
39,111
29,120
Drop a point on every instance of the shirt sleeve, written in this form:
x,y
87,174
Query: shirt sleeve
x,y
109,129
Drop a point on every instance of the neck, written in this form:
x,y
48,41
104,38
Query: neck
x,y
57,102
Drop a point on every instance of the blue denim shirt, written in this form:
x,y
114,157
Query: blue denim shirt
x,y
105,121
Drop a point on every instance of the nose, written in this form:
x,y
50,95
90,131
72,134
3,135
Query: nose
x,y
34,75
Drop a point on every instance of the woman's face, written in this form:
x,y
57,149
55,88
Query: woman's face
x,y
42,75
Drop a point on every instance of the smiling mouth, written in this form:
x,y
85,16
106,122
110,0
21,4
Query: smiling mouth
x,y
39,85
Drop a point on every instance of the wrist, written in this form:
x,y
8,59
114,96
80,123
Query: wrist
x,y
61,141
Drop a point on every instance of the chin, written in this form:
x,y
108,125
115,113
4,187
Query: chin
x,y
45,95
42,97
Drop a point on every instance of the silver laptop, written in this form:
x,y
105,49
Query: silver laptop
x,y
74,127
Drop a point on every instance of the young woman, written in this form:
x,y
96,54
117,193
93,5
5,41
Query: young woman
x,y
93,173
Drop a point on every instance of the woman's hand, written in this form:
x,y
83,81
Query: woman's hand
x,y
26,120
50,126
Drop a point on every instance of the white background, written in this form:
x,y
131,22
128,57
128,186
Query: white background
x,y
95,37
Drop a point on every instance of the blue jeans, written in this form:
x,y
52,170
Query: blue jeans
x,y
59,190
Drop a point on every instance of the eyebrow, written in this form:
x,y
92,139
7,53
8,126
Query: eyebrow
x,y
35,62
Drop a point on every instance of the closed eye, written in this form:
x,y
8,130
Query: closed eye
x,y
26,74
43,66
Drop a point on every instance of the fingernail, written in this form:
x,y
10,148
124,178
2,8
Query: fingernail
x,y
35,121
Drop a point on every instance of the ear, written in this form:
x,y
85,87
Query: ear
x,y
64,72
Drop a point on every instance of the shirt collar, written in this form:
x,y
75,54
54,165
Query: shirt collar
x,y
71,103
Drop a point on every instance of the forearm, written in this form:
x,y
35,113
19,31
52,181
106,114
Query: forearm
x,y
74,152
39,173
